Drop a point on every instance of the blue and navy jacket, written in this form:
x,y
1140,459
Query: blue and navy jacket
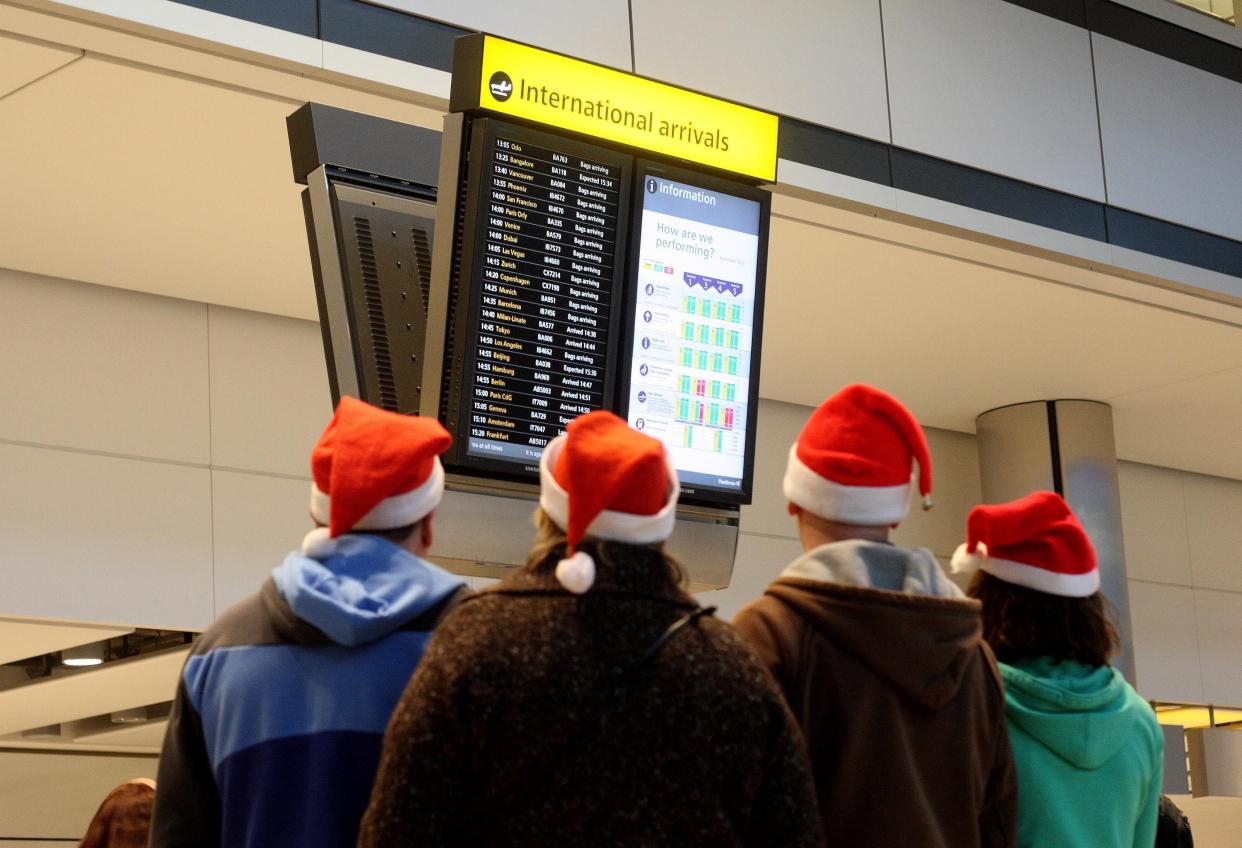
x,y
274,737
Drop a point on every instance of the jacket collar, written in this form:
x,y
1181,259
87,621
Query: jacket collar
x,y
628,580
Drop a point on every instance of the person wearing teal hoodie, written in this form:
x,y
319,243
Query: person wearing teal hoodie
x,y
1087,748
275,733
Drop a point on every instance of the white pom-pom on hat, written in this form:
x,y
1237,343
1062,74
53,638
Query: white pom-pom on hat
x,y
576,573
318,544
968,563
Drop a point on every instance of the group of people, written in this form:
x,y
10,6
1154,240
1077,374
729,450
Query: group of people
x,y
366,696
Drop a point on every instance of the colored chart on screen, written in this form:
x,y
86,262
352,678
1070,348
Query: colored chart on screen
x,y
694,319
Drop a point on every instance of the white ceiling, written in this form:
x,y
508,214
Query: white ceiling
x,y
148,735
954,337
156,167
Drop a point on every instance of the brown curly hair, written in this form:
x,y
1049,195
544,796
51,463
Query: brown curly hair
x,y
123,818
1021,623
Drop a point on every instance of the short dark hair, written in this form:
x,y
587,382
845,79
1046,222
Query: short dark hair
x,y
1021,623
396,535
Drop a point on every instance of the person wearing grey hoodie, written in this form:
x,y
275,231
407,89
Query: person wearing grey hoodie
x,y
879,655
275,733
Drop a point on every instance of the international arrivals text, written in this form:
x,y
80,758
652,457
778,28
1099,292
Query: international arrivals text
x,y
604,110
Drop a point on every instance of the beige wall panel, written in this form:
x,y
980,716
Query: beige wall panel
x,y
955,467
54,796
760,559
822,62
997,87
102,539
1185,424
1153,516
212,213
102,369
1214,523
598,31
23,61
269,391
1219,615
1213,821
1167,130
257,520
1166,642
778,428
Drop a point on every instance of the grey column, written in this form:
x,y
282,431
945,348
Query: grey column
x,y
1064,446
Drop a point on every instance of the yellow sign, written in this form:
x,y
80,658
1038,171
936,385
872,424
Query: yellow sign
x,y
596,101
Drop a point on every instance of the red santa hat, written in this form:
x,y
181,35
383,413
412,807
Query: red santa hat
x,y
853,460
373,470
1034,542
604,480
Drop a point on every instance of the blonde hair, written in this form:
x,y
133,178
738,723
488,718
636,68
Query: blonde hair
x,y
551,545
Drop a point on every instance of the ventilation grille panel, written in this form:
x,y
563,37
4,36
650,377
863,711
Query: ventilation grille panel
x,y
378,332
422,266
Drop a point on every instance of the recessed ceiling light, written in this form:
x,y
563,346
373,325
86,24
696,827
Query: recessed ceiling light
x,y
136,715
83,655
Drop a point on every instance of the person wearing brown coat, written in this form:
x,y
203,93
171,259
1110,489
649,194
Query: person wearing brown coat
x,y
878,653
588,700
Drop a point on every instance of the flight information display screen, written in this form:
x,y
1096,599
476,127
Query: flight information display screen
x,y
697,317
546,274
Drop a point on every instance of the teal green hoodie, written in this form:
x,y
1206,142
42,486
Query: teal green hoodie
x,y
1089,755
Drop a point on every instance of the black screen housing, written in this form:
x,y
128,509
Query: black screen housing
x,y
472,334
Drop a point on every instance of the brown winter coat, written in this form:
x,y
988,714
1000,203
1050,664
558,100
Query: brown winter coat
x,y
900,702
699,749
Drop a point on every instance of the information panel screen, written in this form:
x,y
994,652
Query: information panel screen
x,y
545,276
697,315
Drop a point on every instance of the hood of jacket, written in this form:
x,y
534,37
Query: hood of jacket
x,y
1080,713
876,565
893,609
365,589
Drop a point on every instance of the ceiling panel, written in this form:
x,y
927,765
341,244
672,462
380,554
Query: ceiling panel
x,y
115,686
22,638
24,60
147,181
149,734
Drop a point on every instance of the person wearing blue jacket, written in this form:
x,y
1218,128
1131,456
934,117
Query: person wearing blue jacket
x,y
275,733
1088,750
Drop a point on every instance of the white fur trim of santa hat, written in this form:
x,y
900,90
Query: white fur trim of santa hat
x,y
609,524
396,511
868,506
1021,574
